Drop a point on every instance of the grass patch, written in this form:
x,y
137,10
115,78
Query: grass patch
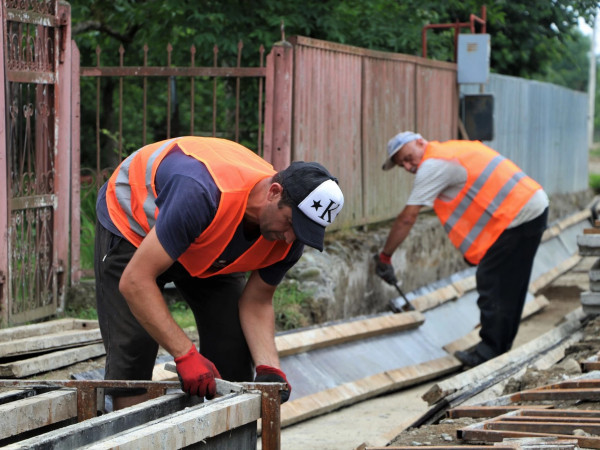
x,y
595,151
182,314
86,313
88,197
595,182
289,304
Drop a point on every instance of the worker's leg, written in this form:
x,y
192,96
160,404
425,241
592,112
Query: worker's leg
x,y
214,302
502,282
130,350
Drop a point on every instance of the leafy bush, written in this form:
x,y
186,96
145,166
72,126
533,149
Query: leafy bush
x,y
595,182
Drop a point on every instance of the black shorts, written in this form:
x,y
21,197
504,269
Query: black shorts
x,y
131,351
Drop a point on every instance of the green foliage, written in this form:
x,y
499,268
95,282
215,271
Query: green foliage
x,y
595,182
83,313
87,234
182,314
289,304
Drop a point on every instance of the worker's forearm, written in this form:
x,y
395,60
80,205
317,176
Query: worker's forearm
x,y
400,229
149,308
258,324
395,238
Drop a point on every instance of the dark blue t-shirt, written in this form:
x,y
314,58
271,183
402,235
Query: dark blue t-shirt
x,y
187,201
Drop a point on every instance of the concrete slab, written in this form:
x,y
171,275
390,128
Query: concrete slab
x,y
589,244
590,298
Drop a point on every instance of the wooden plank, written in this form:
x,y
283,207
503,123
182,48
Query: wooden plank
x,y
505,364
471,339
465,285
350,393
38,411
45,328
50,361
311,339
159,373
550,233
435,298
574,219
188,427
49,342
548,277
565,223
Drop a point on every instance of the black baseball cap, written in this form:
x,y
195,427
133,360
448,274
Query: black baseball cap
x,y
317,200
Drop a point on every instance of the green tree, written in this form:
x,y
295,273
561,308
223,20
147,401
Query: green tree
x,y
527,35
530,38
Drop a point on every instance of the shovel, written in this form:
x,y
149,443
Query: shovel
x,y
408,306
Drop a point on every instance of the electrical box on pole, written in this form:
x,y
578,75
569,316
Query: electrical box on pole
x,y
473,58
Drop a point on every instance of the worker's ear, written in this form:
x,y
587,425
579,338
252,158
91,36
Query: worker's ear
x,y
275,191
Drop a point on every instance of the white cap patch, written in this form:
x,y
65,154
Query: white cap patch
x,y
324,203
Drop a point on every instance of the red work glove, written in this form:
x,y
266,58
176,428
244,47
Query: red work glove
x,y
268,374
197,374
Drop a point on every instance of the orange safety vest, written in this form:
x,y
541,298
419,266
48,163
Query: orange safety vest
x,y
131,201
494,193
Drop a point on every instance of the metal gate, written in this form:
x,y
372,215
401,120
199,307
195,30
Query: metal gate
x,y
34,158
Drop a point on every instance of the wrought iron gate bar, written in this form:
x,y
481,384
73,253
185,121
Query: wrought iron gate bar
x,y
34,18
27,76
36,6
150,71
33,202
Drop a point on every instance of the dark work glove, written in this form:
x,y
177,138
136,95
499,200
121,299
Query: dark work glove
x,y
384,268
197,374
268,374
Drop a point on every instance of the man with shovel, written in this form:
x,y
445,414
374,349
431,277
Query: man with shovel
x,y
493,213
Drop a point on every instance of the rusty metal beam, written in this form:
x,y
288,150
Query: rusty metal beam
x,y
491,436
556,394
536,422
574,384
485,411
552,428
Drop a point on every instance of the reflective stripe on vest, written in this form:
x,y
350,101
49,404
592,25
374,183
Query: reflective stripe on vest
x,y
123,190
495,191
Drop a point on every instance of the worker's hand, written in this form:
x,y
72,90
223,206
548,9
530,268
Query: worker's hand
x,y
197,374
268,374
384,268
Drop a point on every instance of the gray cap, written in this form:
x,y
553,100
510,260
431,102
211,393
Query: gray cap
x,y
396,143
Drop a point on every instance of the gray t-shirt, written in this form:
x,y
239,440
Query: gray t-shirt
x,y
445,179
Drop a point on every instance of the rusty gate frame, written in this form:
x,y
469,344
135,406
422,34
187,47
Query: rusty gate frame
x,y
19,71
274,116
